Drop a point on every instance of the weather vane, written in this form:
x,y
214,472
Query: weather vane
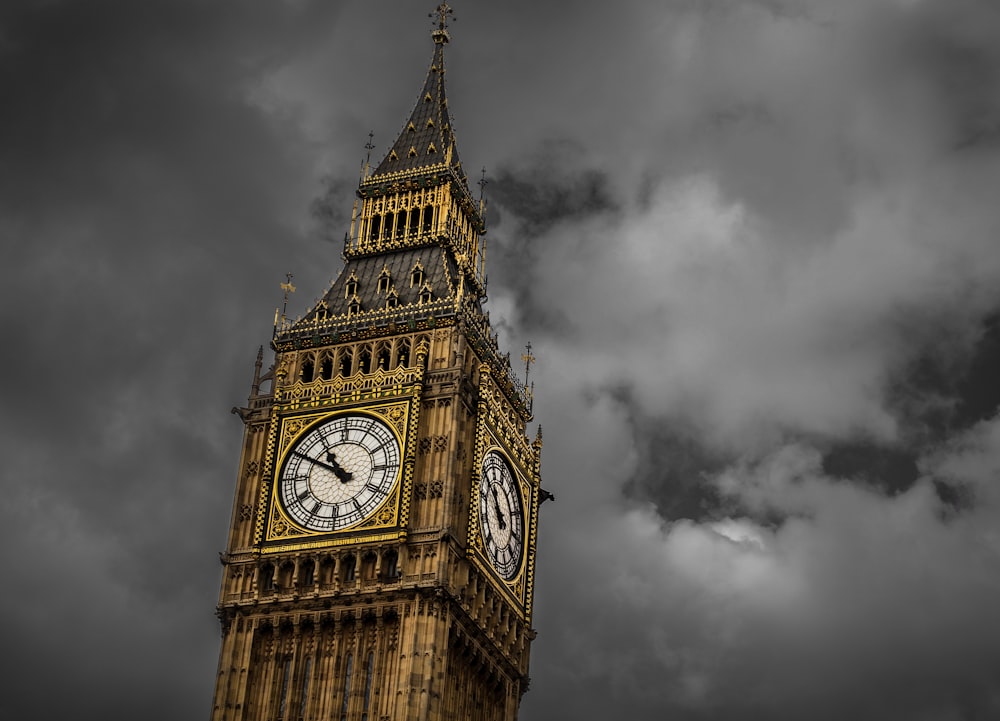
x,y
528,360
369,146
529,390
288,288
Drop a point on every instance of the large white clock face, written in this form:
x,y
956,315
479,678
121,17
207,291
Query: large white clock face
x,y
339,472
500,515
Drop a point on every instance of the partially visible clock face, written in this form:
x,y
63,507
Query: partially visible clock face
x,y
339,472
500,515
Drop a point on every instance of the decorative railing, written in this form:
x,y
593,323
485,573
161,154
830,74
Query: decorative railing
x,y
363,383
337,326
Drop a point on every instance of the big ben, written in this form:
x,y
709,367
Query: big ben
x,y
381,553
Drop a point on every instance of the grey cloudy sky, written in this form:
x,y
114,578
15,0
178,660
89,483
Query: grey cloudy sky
x,y
756,246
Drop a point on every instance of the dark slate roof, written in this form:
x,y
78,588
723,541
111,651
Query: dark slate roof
x,y
429,126
440,273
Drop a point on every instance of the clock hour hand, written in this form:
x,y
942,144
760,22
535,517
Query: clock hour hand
x,y
338,470
496,507
333,467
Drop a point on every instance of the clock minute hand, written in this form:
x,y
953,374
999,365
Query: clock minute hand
x,y
496,507
339,472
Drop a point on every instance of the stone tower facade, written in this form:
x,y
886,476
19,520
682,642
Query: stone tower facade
x,y
381,553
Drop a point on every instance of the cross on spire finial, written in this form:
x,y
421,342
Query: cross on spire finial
x,y
442,11
370,146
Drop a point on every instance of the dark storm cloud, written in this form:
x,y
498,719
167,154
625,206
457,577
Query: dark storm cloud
x,y
753,245
144,206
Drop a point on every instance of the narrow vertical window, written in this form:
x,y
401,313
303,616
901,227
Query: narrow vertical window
x,y
428,218
347,686
376,227
368,685
284,688
305,688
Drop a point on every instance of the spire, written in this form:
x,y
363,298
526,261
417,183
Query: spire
x,y
427,139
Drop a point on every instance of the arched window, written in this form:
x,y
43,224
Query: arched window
x,y
390,566
392,300
403,353
365,361
346,360
347,569
425,294
384,280
308,370
376,227
307,573
285,575
428,218
326,568
383,358
368,566
351,288
266,578
414,224
326,368
354,307
400,223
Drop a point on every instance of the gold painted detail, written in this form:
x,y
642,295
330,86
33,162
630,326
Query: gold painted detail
x,y
361,386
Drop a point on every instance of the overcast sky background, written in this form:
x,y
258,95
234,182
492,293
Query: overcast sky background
x,y
755,245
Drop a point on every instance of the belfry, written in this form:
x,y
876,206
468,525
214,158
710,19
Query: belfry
x,y
381,553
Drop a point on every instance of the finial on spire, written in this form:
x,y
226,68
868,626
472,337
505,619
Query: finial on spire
x,y
288,288
440,33
369,147
483,182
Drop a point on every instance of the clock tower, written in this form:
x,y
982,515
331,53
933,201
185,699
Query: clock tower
x,y
381,553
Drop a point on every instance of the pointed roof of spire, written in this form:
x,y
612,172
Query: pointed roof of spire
x,y
427,139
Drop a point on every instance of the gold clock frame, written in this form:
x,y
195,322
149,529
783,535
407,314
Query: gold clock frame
x,y
516,589
277,532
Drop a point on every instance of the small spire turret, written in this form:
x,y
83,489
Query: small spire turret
x,y
427,139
